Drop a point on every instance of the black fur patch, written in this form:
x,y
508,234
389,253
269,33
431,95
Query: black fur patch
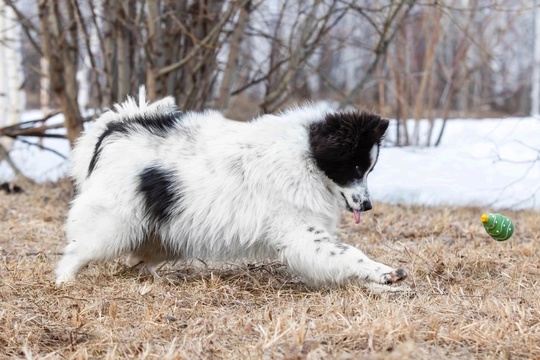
x,y
342,248
341,144
160,189
10,188
324,239
157,125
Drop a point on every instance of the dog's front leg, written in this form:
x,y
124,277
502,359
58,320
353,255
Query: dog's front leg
x,y
313,253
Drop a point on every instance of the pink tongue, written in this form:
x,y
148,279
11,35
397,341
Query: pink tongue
x,y
356,216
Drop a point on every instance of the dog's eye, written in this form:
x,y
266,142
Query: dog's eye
x,y
358,170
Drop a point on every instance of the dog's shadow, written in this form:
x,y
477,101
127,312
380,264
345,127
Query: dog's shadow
x,y
253,278
256,279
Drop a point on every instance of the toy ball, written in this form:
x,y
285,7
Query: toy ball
x,y
497,226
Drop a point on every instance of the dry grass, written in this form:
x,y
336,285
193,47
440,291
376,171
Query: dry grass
x,y
469,297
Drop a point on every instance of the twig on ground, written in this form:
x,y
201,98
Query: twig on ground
x,y
4,155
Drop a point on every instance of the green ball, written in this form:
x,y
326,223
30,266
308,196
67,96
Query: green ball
x,y
499,227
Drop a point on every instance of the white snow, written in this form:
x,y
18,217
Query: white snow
x,y
33,162
491,163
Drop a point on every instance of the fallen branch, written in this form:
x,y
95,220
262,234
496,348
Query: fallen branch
x,y
32,122
35,132
28,128
4,155
43,148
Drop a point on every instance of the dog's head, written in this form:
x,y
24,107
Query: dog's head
x,y
345,146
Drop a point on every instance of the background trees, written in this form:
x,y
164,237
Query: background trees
x,y
406,59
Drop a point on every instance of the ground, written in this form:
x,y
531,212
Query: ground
x,y
467,296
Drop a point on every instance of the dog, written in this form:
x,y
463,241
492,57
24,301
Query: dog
x,y
158,184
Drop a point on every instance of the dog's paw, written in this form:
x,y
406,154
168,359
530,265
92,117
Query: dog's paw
x,y
394,276
62,278
133,260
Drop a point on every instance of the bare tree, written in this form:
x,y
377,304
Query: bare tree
x,y
231,66
535,93
406,58
11,97
60,47
393,18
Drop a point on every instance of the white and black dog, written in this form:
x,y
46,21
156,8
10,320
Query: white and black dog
x,y
159,184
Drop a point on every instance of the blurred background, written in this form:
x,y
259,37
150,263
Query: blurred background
x,y
418,62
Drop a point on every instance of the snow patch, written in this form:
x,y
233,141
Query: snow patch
x,y
491,163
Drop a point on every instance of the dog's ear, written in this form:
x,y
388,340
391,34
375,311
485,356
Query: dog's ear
x,y
381,128
327,141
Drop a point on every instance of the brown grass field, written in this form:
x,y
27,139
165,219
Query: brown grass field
x,y
467,296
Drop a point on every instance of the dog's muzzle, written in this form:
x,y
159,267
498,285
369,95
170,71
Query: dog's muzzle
x,y
364,206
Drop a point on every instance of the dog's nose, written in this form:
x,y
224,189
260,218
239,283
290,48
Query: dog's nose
x,y
366,205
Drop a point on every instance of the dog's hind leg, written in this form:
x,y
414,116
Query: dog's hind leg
x,y
145,268
93,232
150,254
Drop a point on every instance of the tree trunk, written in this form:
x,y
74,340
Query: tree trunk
x,y
123,52
232,60
110,11
535,93
11,96
44,86
154,49
59,46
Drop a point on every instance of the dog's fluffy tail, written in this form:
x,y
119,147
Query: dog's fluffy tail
x,y
85,146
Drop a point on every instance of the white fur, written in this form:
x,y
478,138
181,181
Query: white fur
x,y
277,204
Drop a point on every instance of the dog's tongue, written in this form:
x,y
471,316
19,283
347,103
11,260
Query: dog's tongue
x,y
356,216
